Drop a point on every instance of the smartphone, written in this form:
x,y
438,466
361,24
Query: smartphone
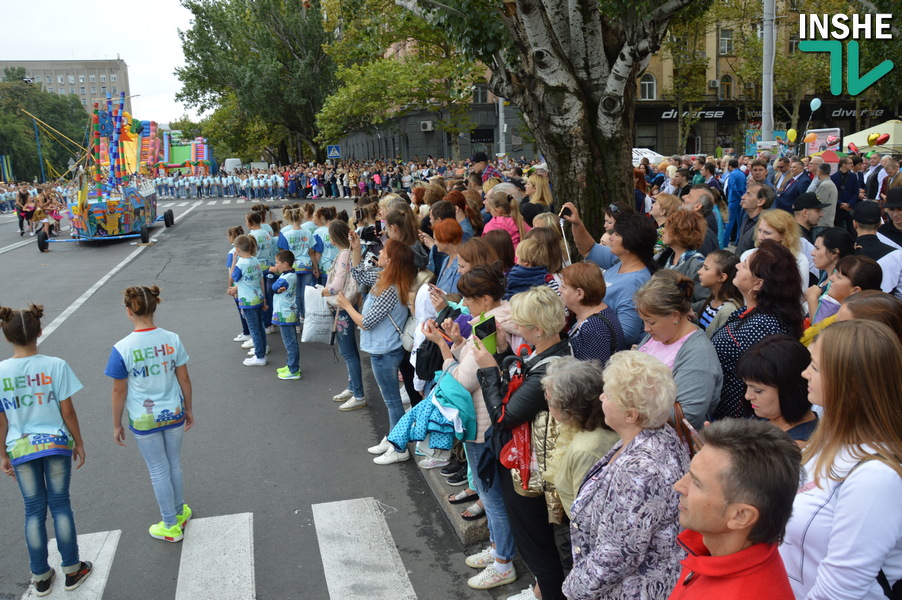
x,y
486,331
378,226
565,212
695,435
358,214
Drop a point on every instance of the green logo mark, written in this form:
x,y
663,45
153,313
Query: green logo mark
x,y
854,82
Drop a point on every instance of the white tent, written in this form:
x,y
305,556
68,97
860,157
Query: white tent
x,y
893,146
652,156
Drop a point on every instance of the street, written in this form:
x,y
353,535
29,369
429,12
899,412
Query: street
x,y
287,502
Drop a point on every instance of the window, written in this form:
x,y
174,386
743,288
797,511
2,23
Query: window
x,y
726,87
81,90
49,80
103,89
84,102
61,91
103,79
646,136
793,44
648,87
726,42
71,90
92,78
114,90
93,89
113,78
480,94
59,79
81,79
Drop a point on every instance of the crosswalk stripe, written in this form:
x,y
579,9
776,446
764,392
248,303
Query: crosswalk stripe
x,y
98,548
182,204
218,559
211,202
226,201
354,532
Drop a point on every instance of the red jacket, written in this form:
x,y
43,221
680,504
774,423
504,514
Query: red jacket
x,y
751,574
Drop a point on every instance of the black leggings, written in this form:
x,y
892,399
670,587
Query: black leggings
x,y
407,373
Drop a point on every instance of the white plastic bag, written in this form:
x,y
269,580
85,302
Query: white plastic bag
x,y
317,316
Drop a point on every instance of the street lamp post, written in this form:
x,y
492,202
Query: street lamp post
x,y
767,74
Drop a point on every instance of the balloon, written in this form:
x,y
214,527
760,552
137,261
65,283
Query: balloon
x,y
882,139
792,134
853,147
811,137
815,104
873,138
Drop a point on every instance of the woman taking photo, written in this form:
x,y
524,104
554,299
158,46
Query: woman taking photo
x,y
844,539
774,386
767,281
149,368
597,333
670,336
625,519
380,321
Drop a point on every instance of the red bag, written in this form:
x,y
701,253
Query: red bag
x,y
516,453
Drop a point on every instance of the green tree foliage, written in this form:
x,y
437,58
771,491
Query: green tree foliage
x,y
17,137
684,45
234,134
888,90
269,55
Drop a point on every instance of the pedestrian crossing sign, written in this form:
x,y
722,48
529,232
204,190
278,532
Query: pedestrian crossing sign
x,y
333,151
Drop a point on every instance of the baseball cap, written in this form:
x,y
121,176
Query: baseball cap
x,y
867,213
807,200
480,157
894,198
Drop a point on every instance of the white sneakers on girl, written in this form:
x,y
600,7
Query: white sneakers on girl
x,y
380,448
391,457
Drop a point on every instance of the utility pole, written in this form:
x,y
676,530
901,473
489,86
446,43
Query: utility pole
x,y
37,138
767,74
502,145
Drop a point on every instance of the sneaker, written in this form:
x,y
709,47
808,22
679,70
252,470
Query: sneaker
x,y
254,362
253,351
289,375
73,580
452,468
284,369
270,330
489,578
170,534
432,463
481,560
42,588
342,396
459,478
391,457
353,404
248,343
380,448
183,518
526,594
241,337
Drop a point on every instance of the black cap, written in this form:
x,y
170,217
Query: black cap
x,y
480,157
807,200
867,213
894,198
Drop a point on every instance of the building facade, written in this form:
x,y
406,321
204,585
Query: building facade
x,y
89,80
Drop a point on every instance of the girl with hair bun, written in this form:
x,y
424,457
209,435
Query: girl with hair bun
x,y
150,380
39,439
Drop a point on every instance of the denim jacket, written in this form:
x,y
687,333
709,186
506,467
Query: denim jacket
x,y
383,338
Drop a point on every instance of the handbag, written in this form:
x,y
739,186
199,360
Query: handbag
x,y
317,316
407,333
349,289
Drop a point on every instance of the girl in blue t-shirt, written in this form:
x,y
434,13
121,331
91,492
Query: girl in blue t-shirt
x,y
299,240
151,382
266,254
248,277
231,259
41,441
323,251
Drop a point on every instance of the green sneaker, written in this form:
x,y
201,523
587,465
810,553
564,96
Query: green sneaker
x,y
284,369
183,518
289,375
169,534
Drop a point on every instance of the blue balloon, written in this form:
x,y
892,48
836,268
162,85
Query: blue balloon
x,y
815,104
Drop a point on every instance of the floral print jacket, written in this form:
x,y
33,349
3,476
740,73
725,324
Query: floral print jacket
x,y
625,521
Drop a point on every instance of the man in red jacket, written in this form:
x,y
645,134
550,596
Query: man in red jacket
x,y
734,503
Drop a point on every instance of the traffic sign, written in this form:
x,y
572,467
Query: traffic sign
x,y
333,151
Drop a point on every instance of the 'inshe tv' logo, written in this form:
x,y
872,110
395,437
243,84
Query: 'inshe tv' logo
x,y
825,33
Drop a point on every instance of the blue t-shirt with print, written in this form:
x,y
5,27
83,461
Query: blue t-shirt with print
x,y
33,387
266,250
247,274
299,241
285,310
328,251
148,359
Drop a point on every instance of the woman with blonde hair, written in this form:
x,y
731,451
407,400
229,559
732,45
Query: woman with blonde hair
x,y
505,211
538,197
781,227
844,539
664,205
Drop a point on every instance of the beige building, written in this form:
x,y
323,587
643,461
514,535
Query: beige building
x,y
90,80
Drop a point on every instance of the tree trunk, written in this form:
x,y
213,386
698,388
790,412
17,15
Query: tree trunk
x,y
283,153
455,146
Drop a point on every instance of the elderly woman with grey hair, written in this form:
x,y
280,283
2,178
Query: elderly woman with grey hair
x,y
625,519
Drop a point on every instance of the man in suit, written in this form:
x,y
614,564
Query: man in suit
x,y
780,176
848,187
797,184
893,178
734,188
875,176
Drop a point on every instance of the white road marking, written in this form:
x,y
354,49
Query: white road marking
x,y
98,548
91,290
359,556
211,202
182,204
226,201
218,559
18,244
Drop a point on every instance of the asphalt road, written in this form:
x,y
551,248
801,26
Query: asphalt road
x,y
262,446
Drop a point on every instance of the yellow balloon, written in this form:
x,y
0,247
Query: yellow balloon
x,y
873,138
810,137
792,134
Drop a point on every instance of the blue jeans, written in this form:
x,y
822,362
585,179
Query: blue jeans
x,y
244,328
268,280
254,318
44,483
385,370
736,213
305,280
162,452
347,346
290,339
495,513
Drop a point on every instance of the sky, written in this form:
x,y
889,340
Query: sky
x,y
143,34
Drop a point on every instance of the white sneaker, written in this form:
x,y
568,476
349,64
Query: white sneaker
x,y
526,594
255,362
489,578
248,343
481,560
431,462
391,457
380,448
253,351
353,404
271,329
342,396
241,337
